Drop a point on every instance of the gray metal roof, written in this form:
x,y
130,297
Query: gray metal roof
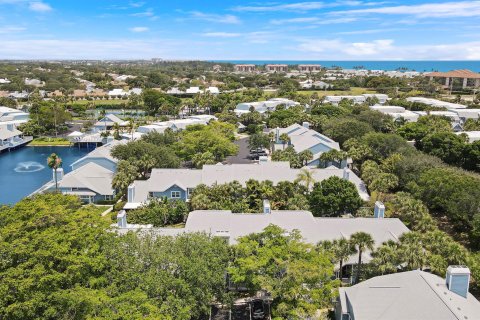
x,y
313,230
90,176
413,295
162,179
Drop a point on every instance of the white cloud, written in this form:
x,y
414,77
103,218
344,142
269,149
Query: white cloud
x,y
302,6
11,29
219,18
313,20
221,34
427,10
39,6
147,13
386,49
139,29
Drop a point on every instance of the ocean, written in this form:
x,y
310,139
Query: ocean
x,y
375,65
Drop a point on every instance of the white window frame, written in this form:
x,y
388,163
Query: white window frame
x,y
175,192
189,192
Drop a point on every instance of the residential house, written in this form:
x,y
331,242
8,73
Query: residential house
x,y
91,182
437,103
263,106
412,295
13,116
335,100
107,123
303,138
231,226
382,98
397,113
11,138
100,156
180,183
471,135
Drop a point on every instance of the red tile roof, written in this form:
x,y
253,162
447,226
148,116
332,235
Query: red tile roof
x,y
455,74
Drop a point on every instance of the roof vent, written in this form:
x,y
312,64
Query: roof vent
x,y
379,210
458,279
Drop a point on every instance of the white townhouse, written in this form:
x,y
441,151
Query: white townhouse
x,y
180,183
303,138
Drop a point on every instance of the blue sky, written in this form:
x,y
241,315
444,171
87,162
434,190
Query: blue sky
x,y
233,29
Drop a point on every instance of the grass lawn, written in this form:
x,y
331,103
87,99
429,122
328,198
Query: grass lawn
x,y
45,141
352,92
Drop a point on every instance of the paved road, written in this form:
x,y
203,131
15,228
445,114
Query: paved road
x,y
243,152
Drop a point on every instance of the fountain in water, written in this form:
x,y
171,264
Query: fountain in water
x,y
28,166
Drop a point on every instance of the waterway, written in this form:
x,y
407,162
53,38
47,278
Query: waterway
x,y
24,170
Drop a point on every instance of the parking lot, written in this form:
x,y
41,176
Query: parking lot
x,y
243,152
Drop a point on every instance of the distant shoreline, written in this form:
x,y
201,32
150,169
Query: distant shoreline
x,y
387,65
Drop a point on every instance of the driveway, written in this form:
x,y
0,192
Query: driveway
x,y
243,152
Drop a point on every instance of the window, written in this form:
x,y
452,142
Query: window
x,y
175,195
189,192
108,197
150,195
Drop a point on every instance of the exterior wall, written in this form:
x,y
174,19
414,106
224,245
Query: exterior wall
x,y
168,193
107,164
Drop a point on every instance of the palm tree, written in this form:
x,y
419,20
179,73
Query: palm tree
x,y
54,162
116,131
131,127
305,156
343,250
285,139
306,177
103,113
362,241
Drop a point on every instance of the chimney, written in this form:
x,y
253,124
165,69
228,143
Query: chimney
x,y
458,279
379,210
346,174
122,219
266,207
131,193
306,124
59,174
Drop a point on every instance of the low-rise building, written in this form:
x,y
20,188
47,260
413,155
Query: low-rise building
x,y
303,138
471,135
437,103
13,116
335,100
91,182
397,113
107,122
245,68
263,106
231,226
276,67
309,67
11,138
100,156
180,183
412,295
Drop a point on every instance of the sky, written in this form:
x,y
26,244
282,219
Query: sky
x,y
240,30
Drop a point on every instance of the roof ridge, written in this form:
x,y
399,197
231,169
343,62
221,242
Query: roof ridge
x,y
437,294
